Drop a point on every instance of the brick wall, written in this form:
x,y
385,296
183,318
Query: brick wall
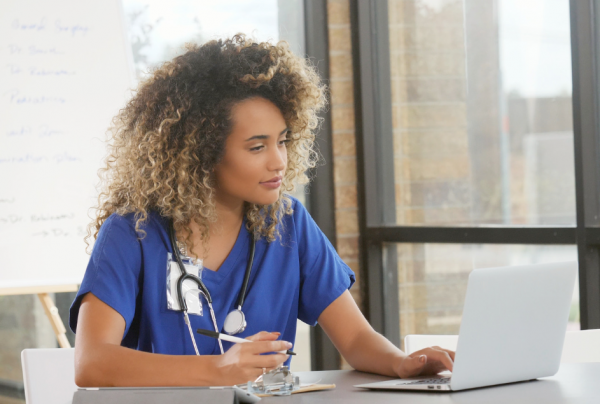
x,y
344,145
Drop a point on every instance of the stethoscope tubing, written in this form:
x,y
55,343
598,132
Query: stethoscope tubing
x,y
184,275
244,289
204,290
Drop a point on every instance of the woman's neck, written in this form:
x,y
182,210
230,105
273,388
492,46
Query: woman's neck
x,y
223,234
230,214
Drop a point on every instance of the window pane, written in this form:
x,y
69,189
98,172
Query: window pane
x,y
157,30
482,120
433,280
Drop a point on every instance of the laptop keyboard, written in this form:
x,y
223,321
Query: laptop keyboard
x,y
443,380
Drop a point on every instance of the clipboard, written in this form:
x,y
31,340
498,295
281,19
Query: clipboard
x,y
161,395
306,389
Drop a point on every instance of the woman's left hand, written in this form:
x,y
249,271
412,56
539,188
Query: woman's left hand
x,y
428,361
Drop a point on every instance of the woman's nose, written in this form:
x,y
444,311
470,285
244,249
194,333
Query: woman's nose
x,y
278,159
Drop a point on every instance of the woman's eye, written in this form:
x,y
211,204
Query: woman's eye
x,y
262,146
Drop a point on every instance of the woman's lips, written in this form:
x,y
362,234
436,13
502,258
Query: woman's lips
x,y
272,184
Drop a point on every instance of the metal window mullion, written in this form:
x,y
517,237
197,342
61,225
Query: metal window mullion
x,y
476,235
587,157
374,145
321,197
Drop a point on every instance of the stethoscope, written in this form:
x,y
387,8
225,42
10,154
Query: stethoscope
x,y
235,322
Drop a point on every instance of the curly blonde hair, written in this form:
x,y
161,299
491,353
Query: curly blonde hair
x,y
165,143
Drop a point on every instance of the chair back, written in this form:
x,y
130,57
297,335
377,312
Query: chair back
x,y
413,343
49,375
581,346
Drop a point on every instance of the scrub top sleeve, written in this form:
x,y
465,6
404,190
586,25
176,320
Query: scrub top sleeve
x,y
323,274
113,271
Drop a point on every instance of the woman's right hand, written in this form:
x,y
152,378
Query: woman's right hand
x,y
245,362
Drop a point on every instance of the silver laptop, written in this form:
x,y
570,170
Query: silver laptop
x,y
512,330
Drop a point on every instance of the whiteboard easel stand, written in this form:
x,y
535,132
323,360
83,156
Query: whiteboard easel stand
x,y
48,305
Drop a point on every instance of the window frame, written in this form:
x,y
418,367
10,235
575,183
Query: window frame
x,y
320,198
372,84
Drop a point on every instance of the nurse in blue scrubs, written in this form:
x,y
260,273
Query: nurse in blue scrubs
x,y
213,142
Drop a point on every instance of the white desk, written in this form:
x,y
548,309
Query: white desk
x,y
574,383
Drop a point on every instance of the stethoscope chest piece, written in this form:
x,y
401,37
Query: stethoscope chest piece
x,y
235,322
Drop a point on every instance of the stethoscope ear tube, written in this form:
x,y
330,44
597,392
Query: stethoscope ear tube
x,y
185,275
244,289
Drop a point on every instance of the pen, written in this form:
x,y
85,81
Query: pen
x,y
235,340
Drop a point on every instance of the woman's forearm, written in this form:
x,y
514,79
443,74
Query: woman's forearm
x,y
372,352
359,344
109,365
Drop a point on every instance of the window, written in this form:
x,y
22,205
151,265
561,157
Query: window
x,y
481,112
476,145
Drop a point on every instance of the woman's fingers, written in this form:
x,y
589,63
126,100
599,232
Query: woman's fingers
x,y
269,362
412,366
437,355
451,353
261,347
264,336
243,362
444,358
427,361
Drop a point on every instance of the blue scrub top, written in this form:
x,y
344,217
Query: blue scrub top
x,y
295,277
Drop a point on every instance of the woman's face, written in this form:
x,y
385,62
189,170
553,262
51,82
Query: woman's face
x,y
255,156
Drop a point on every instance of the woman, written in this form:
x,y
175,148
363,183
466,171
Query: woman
x,y
211,144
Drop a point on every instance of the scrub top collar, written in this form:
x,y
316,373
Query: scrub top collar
x,y
241,245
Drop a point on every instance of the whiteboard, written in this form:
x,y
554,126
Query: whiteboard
x,y
65,70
